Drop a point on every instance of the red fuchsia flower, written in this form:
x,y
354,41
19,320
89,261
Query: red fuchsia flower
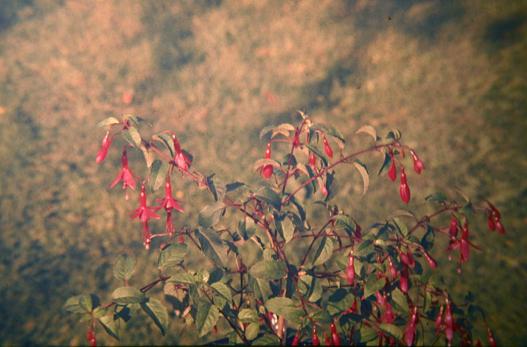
x,y
105,145
464,247
350,269
404,189
267,170
494,219
386,308
169,204
403,280
392,171
327,340
124,174
335,338
180,158
327,148
439,321
296,138
314,337
418,164
409,331
449,323
144,213
478,343
431,261
490,336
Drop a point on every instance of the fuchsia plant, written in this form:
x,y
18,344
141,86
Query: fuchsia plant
x,y
356,286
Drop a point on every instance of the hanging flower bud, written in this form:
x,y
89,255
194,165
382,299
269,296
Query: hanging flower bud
x,y
409,331
105,145
327,340
490,336
296,139
312,160
124,174
90,336
404,189
490,222
499,227
327,148
392,171
439,321
453,227
335,338
314,337
408,259
418,164
388,316
431,261
267,170
296,339
350,269
449,323
181,160
403,280
464,247
478,343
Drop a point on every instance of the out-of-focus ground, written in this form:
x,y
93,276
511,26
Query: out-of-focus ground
x,y
450,75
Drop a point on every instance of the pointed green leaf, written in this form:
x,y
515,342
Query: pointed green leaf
x,y
110,326
223,290
208,249
270,196
369,130
252,330
392,329
373,284
206,317
134,135
248,315
124,267
171,255
165,139
127,295
269,270
158,312
323,250
108,121
361,168
210,215
158,174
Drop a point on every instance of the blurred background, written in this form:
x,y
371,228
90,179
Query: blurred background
x,y
451,75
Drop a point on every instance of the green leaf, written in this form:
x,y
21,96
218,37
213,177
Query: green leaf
x,y
252,330
206,317
386,163
267,340
401,226
208,249
166,139
223,290
108,121
400,299
88,302
127,295
158,312
135,136
282,129
233,186
260,287
323,250
73,305
158,173
182,277
368,130
248,315
266,130
124,267
269,270
286,307
210,215
394,134
288,230
392,329
361,168
437,197
171,255
372,285
148,155
110,326
270,196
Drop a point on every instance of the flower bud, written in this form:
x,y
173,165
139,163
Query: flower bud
x,y
490,336
327,148
314,337
449,323
418,164
105,145
403,280
350,269
392,171
431,261
404,189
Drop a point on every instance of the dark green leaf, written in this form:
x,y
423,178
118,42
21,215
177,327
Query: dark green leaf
x,y
158,312
285,307
401,226
270,196
233,186
386,163
206,317
437,197
110,326
252,330
269,270
124,267
400,299
322,251
210,215
372,285
318,153
166,139
392,329
158,173
267,340
208,249
73,305
212,187
223,290
248,315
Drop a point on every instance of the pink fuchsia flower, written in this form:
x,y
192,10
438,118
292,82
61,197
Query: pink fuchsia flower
x,y
418,164
327,148
181,160
404,280
449,323
431,261
335,338
350,269
407,259
105,145
404,189
312,160
453,227
124,174
145,213
168,202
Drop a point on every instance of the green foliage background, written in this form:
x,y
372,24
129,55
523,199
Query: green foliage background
x,y
450,75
